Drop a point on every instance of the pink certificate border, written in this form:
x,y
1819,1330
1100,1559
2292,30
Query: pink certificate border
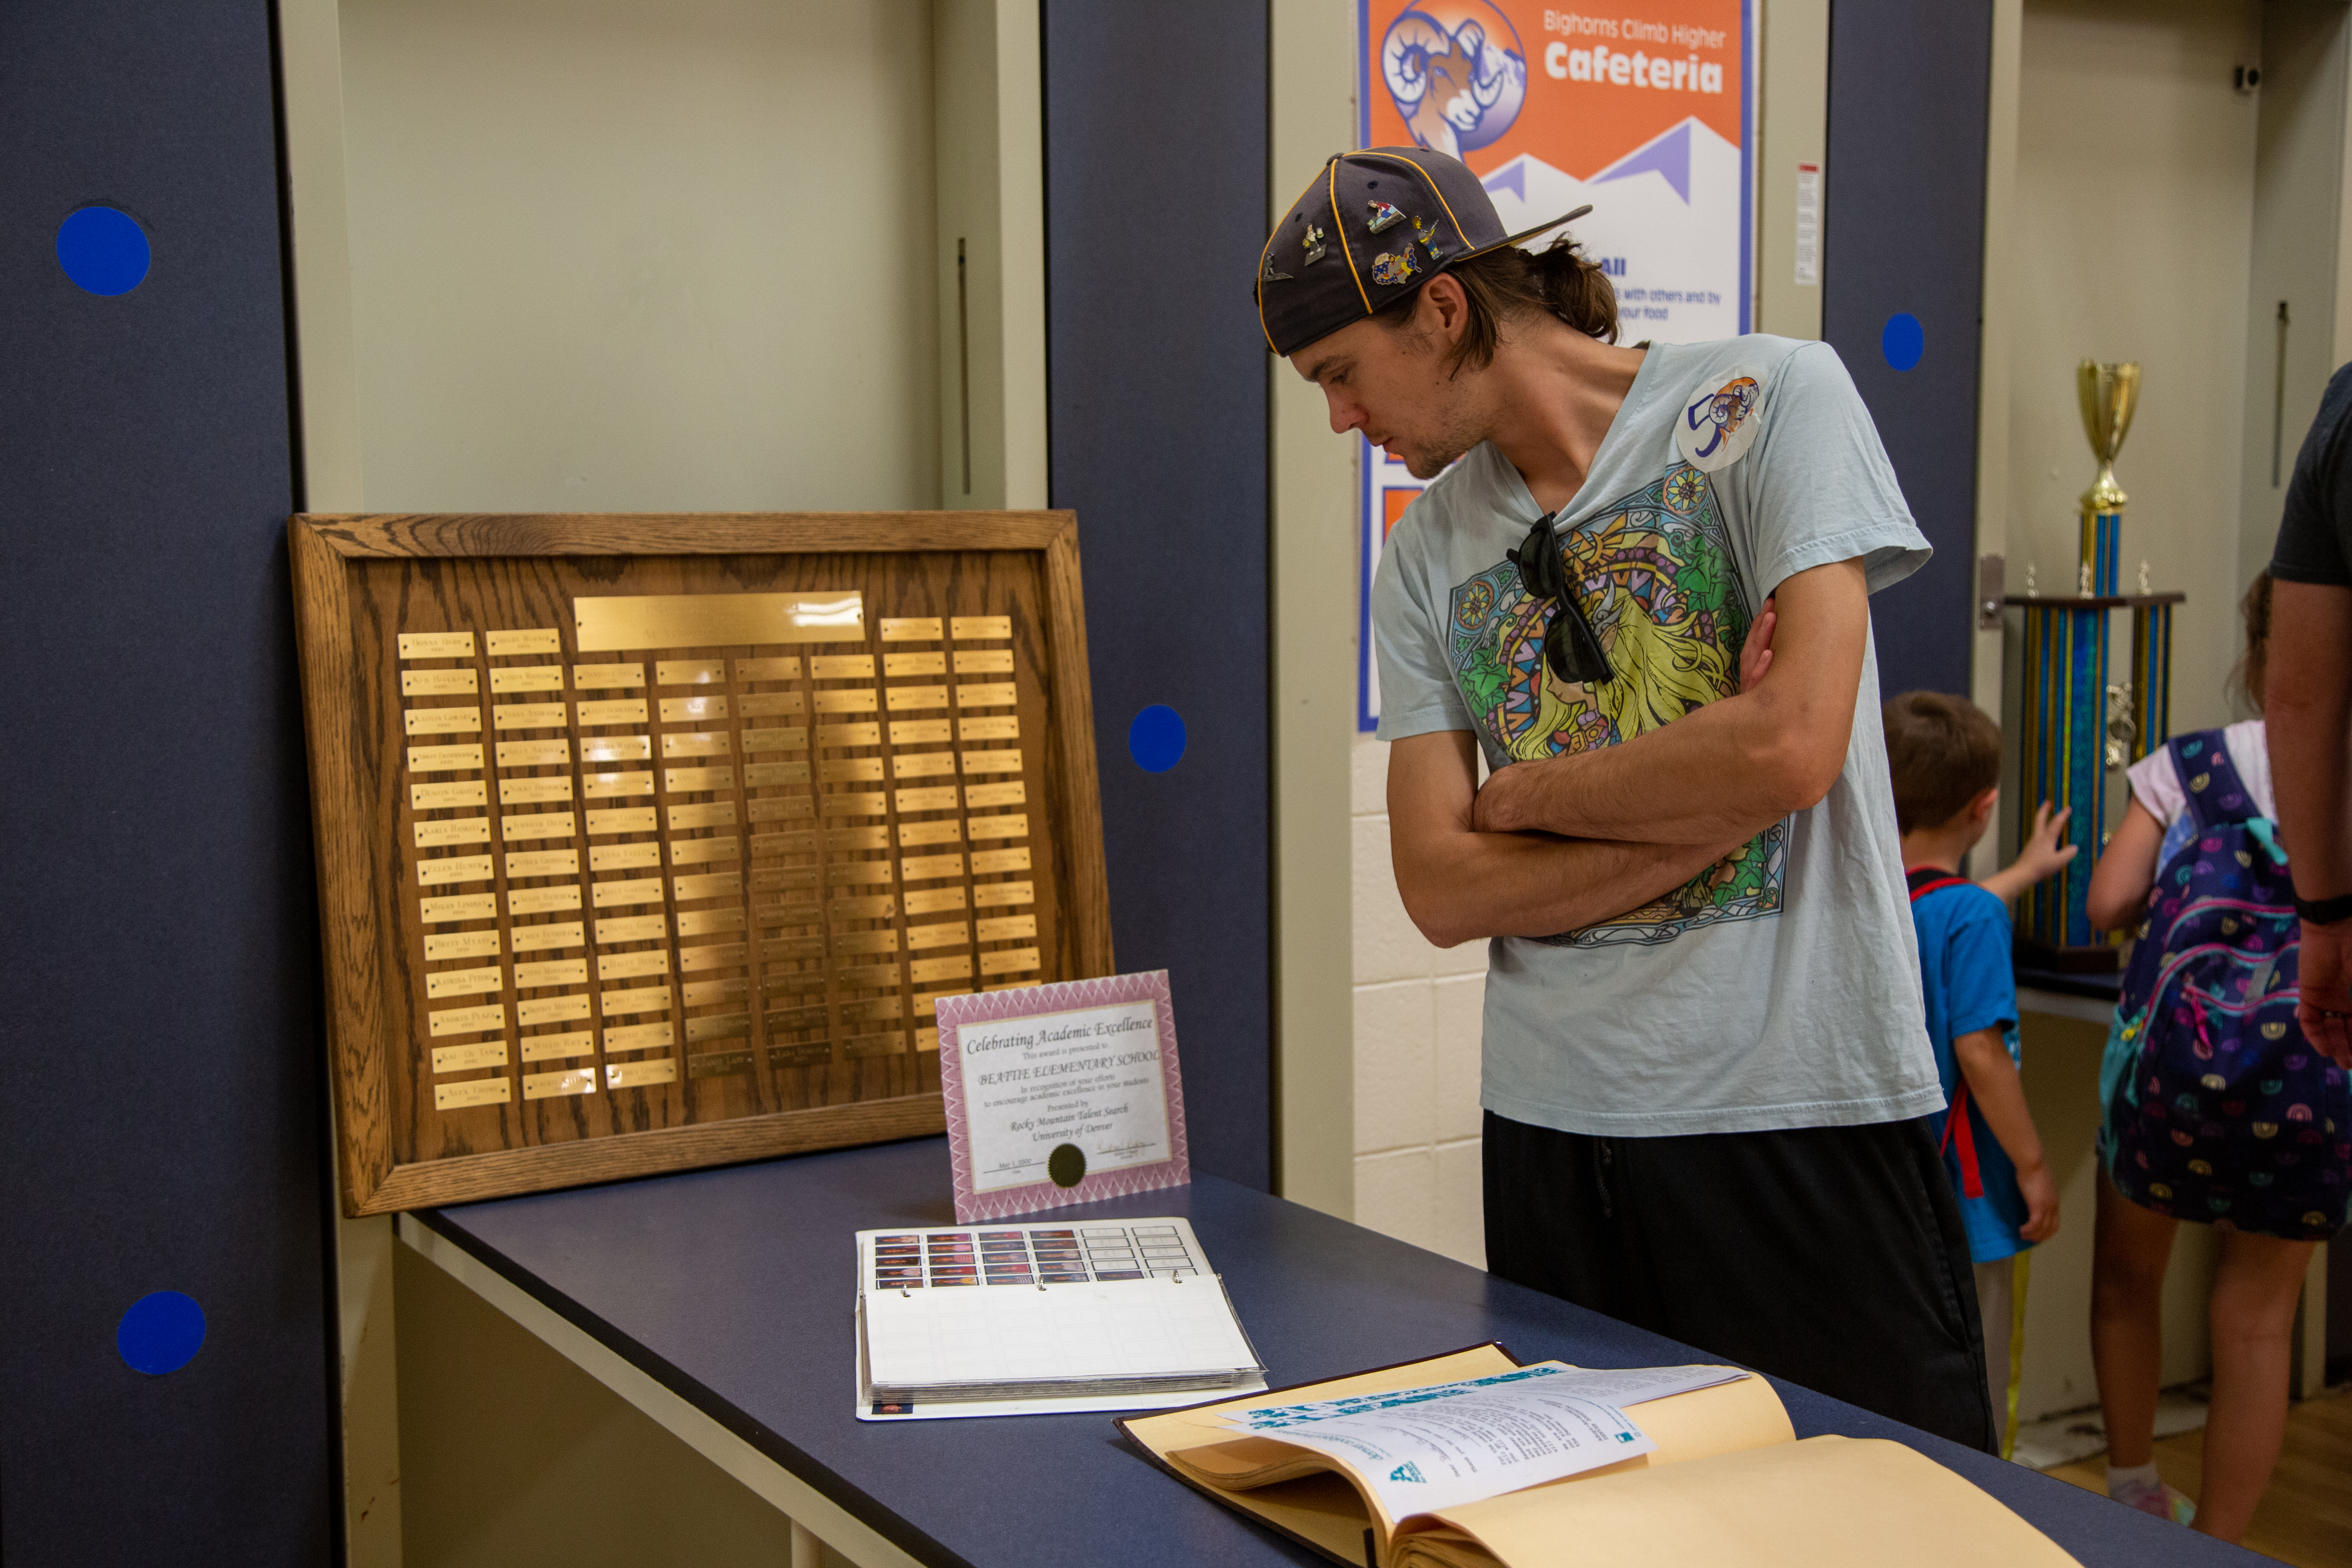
x,y
1031,1000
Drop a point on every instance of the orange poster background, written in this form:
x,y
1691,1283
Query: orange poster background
x,y
1577,127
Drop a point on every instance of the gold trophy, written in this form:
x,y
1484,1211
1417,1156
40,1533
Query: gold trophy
x,y
2108,394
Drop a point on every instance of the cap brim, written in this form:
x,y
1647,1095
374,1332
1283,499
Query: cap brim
x,y
1515,239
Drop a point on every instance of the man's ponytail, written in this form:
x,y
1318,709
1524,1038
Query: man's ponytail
x,y
1510,284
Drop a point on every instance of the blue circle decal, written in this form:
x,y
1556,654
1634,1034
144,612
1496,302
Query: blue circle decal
x,y
1155,738
103,250
161,1333
1903,341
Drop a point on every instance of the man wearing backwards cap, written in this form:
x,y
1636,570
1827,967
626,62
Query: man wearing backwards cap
x,y
1706,1066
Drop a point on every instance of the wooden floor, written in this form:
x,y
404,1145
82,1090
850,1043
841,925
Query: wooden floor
x,y
2305,1518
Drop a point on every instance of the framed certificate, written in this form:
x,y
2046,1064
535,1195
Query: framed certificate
x,y
1062,1093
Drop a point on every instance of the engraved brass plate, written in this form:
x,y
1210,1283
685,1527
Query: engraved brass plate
x,y
991,727
719,885
984,661
631,928
436,645
702,851
1017,825
951,933
922,765
908,699
551,1009
607,676
537,824
613,711
542,901
1014,793
548,1085
720,1026
927,1039
844,840
775,948
695,781
967,628
1005,928
616,748
726,955
529,716
442,797
528,678
621,819
708,922
598,786
459,830
955,968
841,666
719,814
815,1053
543,863
444,758
717,1064
639,1036
639,890
782,879
859,871
469,1057
635,999
930,868
910,628
558,1048
689,671
998,895
534,753
856,804
866,734
794,1019
466,1020
623,857
864,909
461,944
899,664
458,907
787,668
472,1091
927,1004
874,1046
438,683
443,721
1012,960
710,993
639,1074
858,942
791,808
692,709
868,976
800,842
793,738
517,792
931,901
919,731
540,938
938,798
550,972
996,760
876,1010
628,965
716,620
453,868
780,982
851,769
992,696
851,700
697,743
771,775
770,705
988,861
538,639
913,833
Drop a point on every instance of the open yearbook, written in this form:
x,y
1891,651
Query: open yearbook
x,y
1470,1459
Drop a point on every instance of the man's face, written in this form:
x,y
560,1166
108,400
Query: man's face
x,y
1395,384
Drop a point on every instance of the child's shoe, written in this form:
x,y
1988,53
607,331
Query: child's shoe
x,y
2156,1498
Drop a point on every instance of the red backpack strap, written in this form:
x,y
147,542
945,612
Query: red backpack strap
x,y
1958,1133
1928,880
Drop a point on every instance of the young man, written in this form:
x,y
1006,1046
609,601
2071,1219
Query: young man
x,y
1705,1067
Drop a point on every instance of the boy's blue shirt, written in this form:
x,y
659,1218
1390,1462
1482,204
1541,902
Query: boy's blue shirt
x,y
1967,984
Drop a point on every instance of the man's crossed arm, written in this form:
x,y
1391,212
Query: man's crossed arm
x,y
1552,846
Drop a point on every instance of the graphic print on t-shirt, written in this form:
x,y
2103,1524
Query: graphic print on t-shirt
x,y
1658,581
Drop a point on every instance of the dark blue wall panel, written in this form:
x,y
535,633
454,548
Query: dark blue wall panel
x,y
1155,211
1905,234
160,1079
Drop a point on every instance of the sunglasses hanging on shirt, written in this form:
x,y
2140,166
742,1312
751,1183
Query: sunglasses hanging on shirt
x,y
1571,647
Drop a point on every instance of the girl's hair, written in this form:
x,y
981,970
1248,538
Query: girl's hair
x,y
1502,285
2253,665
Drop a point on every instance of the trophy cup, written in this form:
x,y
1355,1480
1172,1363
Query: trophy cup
x,y
2108,394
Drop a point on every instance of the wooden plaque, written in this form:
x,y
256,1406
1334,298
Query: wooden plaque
x,y
648,842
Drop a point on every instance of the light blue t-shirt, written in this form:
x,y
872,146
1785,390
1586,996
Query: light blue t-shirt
x,y
1780,987
1967,984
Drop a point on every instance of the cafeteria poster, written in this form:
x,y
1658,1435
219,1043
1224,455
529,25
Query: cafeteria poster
x,y
1647,116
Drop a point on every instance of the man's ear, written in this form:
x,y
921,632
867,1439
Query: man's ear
x,y
1444,307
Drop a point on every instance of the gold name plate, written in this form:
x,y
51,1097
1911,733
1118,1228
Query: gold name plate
x,y
715,620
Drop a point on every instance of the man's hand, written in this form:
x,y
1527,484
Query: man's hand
x,y
2326,1010
1756,653
2040,1190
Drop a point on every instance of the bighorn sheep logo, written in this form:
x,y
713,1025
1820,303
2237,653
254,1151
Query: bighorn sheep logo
x,y
1456,73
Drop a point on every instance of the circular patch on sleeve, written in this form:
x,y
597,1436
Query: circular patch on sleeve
x,y
1719,421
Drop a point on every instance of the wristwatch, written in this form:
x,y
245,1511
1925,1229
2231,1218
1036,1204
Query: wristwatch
x,y
2323,912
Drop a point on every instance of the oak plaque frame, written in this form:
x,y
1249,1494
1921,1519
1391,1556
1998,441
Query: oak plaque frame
x,y
362,580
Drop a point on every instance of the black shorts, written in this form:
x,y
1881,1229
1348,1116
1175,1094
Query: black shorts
x,y
1832,1257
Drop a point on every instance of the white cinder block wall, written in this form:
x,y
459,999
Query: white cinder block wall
x,y
1417,1009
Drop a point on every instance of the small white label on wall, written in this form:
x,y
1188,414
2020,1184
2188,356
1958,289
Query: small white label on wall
x,y
1808,226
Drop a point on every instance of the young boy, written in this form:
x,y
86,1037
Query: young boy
x,y
1944,755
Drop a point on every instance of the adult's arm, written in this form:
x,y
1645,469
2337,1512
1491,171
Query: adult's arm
x,y
1725,772
1459,882
2308,704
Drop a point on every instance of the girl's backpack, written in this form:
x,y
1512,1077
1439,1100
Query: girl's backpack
x,y
2216,1109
